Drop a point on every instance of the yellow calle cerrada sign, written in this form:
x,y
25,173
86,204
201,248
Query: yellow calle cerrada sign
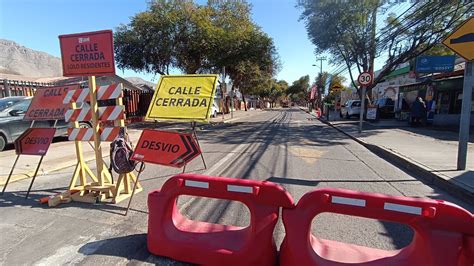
x,y
183,97
461,41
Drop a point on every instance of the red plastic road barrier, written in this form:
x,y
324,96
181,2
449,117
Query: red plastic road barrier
x,y
172,235
443,231
318,113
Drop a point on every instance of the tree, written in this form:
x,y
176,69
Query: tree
x,y
252,65
276,91
349,33
299,89
199,39
169,34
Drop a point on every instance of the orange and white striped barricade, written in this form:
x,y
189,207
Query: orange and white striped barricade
x,y
106,92
87,134
106,113
172,235
441,230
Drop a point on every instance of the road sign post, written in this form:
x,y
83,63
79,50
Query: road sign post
x,y
364,79
465,121
90,54
461,41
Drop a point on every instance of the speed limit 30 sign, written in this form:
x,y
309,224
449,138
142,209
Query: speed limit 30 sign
x,y
365,78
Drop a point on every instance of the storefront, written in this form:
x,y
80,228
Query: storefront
x,y
449,102
406,96
443,99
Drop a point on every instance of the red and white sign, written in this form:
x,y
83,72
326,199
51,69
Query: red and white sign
x,y
365,78
34,141
314,93
106,92
166,148
87,134
87,54
106,113
47,104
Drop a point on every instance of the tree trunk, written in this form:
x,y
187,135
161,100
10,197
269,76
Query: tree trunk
x,y
245,103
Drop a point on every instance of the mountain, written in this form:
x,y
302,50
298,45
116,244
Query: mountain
x,y
137,81
19,60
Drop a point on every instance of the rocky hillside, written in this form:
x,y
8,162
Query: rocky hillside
x,y
139,81
19,60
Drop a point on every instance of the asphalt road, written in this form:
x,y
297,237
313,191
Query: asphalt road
x,y
286,146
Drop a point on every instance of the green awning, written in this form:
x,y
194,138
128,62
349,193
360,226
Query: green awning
x,y
398,72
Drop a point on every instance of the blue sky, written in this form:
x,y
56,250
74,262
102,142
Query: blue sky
x,y
36,24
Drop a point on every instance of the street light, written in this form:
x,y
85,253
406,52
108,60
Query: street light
x,y
320,59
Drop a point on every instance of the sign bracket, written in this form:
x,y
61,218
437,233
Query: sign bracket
x,y
82,169
193,129
34,176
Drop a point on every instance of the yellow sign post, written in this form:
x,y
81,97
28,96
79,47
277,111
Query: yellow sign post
x,y
336,87
461,41
183,97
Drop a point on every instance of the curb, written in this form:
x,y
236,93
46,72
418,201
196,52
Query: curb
x,y
419,171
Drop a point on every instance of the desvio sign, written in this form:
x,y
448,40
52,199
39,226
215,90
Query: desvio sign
x,y
34,141
47,104
87,54
166,148
435,64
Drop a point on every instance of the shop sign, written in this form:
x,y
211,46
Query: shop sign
x,y
435,64
371,113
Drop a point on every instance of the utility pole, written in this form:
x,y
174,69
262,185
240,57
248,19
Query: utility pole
x,y
320,59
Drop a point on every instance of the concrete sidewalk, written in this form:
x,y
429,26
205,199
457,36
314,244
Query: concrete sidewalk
x,y
431,153
62,153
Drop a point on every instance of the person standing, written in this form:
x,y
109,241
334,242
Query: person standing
x,y
418,112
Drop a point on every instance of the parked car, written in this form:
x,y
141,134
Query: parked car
x,y
350,108
9,101
385,107
12,124
214,109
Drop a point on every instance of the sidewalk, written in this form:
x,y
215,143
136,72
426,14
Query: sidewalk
x,y
430,153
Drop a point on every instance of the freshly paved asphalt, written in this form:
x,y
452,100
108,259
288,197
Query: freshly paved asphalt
x,y
286,146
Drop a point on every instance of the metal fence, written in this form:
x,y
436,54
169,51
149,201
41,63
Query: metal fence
x,y
136,102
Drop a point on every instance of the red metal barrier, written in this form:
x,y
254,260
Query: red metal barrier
x,y
443,231
172,235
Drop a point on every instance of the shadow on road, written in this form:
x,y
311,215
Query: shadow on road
x,y
131,247
313,183
17,198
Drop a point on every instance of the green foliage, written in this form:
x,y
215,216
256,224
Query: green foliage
x,y
300,85
347,30
199,39
276,91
